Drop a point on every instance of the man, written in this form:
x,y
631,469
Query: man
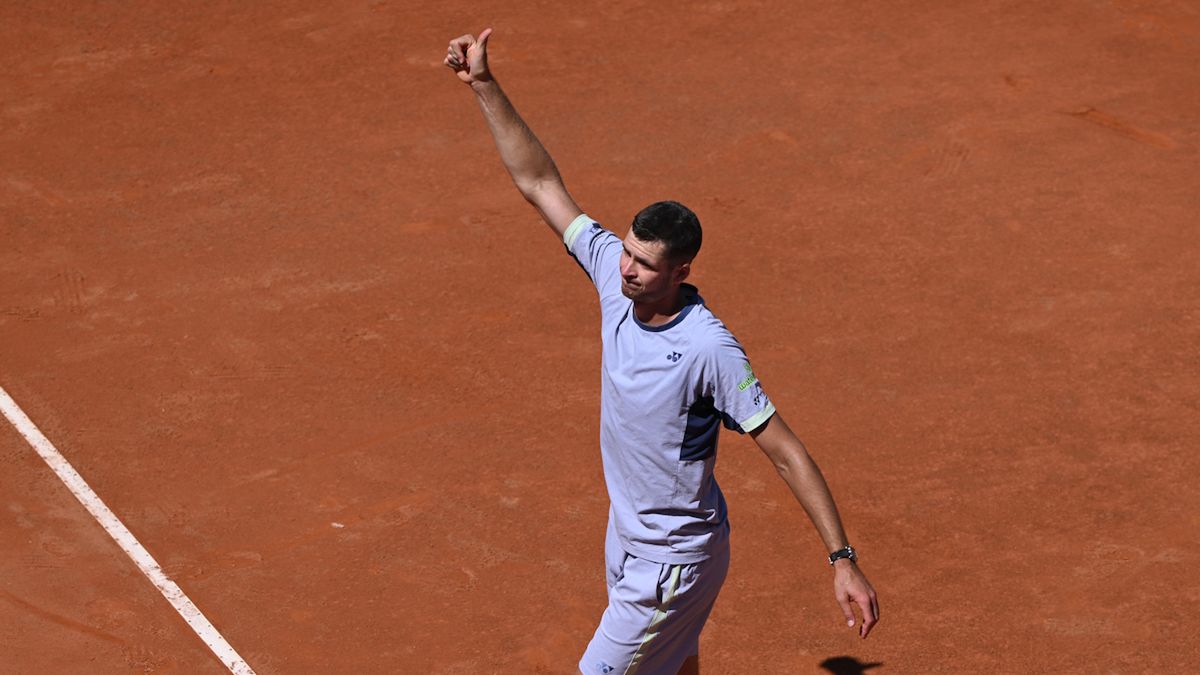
x,y
671,371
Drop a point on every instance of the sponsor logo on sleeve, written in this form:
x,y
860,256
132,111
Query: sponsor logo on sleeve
x,y
750,378
759,394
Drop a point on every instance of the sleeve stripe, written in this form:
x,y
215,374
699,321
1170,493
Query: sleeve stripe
x,y
757,419
572,232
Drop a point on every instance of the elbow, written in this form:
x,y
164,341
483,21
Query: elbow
x,y
534,184
782,461
791,461
525,187
530,192
784,468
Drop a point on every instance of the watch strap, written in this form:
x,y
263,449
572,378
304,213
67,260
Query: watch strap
x,y
846,551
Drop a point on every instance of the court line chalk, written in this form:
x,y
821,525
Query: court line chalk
x,y
124,538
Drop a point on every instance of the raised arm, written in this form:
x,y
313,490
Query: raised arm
x,y
531,168
800,472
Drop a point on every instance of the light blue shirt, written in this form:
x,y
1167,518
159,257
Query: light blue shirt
x,y
665,392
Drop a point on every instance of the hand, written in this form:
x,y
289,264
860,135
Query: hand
x,y
467,57
851,587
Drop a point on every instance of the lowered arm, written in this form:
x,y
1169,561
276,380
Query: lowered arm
x,y
803,477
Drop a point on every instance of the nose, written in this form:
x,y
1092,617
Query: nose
x,y
627,268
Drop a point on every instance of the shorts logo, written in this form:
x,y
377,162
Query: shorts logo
x,y
672,357
604,667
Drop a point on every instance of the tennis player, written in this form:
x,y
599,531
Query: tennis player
x,y
672,375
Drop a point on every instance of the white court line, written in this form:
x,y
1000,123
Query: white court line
x,y
124,538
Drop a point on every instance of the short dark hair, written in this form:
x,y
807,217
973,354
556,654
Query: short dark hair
x,y
674,225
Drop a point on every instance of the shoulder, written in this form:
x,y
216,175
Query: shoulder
x,y
710,336
707,326
585,230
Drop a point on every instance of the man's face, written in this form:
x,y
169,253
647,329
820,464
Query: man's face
x,y
647,275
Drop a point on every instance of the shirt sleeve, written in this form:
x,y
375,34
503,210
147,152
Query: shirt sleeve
x,y
598,252
736,391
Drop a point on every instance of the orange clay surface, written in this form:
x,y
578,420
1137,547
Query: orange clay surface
x,y
261,271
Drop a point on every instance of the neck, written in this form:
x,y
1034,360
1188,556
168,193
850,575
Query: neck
x,y
658,312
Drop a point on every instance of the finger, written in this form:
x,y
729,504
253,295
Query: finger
x,y
868,614
846,610
865,629
483,38
459,45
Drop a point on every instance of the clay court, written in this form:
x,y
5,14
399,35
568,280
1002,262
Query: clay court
x,y
265,284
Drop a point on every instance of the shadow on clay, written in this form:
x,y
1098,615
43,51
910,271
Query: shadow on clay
x,y
847,665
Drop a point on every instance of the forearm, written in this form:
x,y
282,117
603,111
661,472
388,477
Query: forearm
x,y
523,155
806,482
803,477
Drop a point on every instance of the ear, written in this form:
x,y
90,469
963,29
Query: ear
x,y
681,272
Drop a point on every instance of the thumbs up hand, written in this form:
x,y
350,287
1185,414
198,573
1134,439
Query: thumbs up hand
x,y
467,57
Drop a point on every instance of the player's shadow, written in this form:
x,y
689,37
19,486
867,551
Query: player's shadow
x,y
847,665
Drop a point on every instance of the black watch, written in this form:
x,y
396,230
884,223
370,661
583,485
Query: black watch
x,y
846,551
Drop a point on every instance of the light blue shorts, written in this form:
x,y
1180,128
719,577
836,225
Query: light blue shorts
x,y
655,613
